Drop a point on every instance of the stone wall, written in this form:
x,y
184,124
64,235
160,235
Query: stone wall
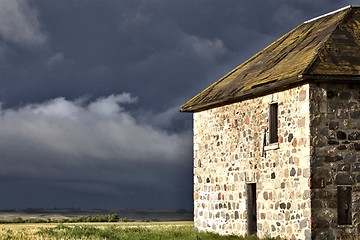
x,y
227,156
335,131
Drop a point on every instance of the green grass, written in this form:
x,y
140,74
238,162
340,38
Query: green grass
x,y
124,233
113,231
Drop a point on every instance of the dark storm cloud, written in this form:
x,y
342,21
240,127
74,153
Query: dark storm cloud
x,y
69,137
95,148
173,48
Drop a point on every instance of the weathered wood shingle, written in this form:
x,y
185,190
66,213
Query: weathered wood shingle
x,y
326,48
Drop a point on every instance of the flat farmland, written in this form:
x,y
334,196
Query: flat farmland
x,y
108,231
24,224
131,225
95,231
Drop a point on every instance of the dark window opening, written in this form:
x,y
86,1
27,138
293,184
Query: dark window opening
x,y
344,205
273,123
251,208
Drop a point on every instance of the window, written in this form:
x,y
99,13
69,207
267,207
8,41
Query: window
x,y
273,123
344,205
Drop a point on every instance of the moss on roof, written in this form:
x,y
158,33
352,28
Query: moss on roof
x,y
326,48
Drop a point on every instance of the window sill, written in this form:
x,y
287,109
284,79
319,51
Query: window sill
x,y
345,225
272,146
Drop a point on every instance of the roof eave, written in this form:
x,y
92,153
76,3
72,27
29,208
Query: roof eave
x,y
248,94
272,88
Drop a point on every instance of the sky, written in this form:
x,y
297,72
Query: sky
x,y
90,92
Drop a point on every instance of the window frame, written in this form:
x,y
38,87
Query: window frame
x,y
273,123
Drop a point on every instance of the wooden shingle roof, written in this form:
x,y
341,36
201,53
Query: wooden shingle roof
x,y
326,48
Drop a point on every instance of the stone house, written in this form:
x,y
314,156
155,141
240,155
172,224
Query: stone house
x,y
277,139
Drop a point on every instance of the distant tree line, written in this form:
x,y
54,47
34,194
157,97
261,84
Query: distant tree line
x,y
114,217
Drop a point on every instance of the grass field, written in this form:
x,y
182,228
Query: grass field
x,y
113,231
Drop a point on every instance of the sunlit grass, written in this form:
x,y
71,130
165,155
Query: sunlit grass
x,y
115,233
19,234
123,231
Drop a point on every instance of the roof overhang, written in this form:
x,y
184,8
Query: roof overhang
x,y
276,87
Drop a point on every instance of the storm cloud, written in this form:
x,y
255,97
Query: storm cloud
x,y
19,23
92,146
90,92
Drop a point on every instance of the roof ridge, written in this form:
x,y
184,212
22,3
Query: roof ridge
x,y
322,46
330,13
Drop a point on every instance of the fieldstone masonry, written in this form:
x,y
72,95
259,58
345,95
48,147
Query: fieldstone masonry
x,y
277,139
297,179
227,156
335,161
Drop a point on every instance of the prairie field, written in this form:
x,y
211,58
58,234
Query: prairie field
x,y
101,225
109,231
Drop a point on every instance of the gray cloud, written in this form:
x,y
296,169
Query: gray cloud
x,y
95,146
19,23
118,150
57,58
175,48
